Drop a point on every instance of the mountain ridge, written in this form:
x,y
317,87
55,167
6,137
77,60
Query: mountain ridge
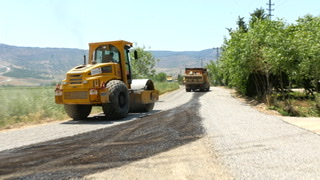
x,y
50,64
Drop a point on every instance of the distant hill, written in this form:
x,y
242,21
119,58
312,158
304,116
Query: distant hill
x,y
38,65
174,62
182,59
35,66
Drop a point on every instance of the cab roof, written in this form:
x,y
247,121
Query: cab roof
x,y
118,42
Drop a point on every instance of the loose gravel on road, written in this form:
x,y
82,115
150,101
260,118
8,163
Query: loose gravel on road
x,y
254,145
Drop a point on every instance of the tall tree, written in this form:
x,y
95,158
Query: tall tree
x,y
242,24
161,77
307,42
144,66
257,15
215,74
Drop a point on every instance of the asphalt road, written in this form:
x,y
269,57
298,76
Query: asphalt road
x,y
192,135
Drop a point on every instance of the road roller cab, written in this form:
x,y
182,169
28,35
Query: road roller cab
x,y
106,81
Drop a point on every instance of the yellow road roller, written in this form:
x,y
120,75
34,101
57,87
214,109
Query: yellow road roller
x,y
106,81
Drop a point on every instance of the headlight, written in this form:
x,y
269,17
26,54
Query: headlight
x,y
93,91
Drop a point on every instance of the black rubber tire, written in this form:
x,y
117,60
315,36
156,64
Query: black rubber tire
x,y
188,90
137,108
149,107
119,100
78,111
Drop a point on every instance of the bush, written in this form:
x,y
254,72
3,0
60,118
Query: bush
x,y
28,104
164,87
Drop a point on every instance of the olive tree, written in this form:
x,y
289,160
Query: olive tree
x,y
144,66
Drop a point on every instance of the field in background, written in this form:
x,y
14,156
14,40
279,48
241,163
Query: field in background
x,y
33,105
164,87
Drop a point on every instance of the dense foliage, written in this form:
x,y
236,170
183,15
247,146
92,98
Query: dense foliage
x,y
144,66
160,77
266,55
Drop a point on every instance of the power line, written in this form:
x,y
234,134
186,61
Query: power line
x,y
269,9
280,3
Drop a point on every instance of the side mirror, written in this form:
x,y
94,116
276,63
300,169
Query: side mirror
x,y
135,54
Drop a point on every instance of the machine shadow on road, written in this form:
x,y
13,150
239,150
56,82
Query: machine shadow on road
x,y
101,119
106,148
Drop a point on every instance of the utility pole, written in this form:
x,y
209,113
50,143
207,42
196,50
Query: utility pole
x,y
270,4
201,62
217,52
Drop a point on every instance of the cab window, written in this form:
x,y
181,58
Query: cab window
x,y
106,54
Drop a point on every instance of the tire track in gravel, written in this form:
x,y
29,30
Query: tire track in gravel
x,y
80,155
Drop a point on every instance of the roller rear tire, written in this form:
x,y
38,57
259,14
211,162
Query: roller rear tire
x,y
138,108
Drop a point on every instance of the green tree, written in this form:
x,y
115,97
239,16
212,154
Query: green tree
x,y
161,77
249,59
215,75
257,15
180,78
307,43
144,66
270,55
242,26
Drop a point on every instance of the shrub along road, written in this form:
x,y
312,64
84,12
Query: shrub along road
x,y
192,135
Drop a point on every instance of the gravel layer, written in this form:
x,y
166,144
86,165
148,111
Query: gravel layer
x,y
253,145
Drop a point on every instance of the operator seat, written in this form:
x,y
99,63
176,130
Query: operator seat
x,y
107,58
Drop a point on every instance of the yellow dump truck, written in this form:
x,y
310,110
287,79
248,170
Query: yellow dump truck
x,y
106,81
169,79
196,79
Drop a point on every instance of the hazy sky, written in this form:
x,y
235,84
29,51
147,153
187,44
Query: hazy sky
x,y
176,25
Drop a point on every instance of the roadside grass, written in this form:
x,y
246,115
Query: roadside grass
x,y
165,87
21,105
297,104
33,105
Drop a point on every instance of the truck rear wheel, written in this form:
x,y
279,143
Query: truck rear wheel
x,y
119,96
78,111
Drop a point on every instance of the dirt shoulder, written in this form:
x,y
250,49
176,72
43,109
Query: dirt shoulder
x,y
191,161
